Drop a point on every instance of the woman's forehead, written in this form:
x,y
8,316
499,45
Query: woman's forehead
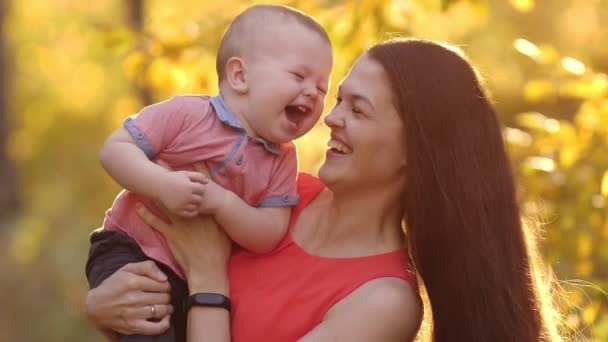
x,y
367,77
365,68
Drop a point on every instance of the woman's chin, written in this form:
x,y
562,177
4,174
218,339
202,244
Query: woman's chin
x,y
328,175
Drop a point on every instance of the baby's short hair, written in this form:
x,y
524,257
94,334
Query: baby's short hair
x,y
230,47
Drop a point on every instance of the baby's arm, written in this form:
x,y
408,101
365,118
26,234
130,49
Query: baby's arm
x,y
179,191
256,229
261,229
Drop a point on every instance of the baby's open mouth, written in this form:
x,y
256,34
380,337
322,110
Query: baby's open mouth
x,y
296,113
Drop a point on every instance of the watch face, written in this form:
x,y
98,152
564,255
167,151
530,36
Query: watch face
x,y
209,299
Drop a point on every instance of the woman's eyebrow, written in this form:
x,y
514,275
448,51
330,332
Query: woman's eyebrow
x,y
356,97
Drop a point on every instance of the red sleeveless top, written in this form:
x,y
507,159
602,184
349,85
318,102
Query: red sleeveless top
x,y
282,295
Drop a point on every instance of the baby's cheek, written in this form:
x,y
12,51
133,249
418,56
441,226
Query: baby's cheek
x,y
321,106
311,123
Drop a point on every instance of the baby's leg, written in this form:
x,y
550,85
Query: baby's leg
x,y
111,250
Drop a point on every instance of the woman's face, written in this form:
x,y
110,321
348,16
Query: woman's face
x,y
367,144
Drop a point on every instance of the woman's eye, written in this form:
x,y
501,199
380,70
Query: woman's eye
x,y
298,76
357,110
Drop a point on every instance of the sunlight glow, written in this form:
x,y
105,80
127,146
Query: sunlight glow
x,y
527,48
573,66
523,5
542,164
551,125
517,136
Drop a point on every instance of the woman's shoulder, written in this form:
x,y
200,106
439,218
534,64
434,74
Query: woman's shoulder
x,y
393,292
393,301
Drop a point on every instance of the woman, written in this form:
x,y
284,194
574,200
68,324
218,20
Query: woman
x,y
413,138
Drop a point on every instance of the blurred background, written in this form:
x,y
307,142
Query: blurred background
x,y
71,71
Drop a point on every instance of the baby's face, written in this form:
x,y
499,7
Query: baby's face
x,y
288,81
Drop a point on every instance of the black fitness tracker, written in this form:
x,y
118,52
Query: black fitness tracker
x,y
214,300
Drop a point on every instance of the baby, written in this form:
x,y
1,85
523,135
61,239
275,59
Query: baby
x,y
273,66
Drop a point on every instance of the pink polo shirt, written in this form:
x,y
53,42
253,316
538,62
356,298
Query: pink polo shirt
x,y
188,129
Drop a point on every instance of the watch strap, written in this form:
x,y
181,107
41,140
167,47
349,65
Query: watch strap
x,y
214,300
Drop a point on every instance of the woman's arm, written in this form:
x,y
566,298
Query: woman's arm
x,y
207,323
385,309
122,303
202,249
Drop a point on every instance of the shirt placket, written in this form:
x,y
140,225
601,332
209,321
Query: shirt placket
x,y
223,169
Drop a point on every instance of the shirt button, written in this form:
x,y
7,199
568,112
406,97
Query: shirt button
x,y
285,198
140,135
239,161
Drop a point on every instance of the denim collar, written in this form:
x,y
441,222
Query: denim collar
x,y
226,116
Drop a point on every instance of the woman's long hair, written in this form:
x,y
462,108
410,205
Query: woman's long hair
x,y
462,218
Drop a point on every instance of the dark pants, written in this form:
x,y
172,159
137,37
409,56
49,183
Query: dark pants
x,y
111,250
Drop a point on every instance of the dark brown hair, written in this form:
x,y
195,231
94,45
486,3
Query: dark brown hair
x,y
241,25
462,218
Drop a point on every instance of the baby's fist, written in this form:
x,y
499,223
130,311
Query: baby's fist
x,y
182,192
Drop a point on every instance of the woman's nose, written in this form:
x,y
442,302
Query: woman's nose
x,y
334,118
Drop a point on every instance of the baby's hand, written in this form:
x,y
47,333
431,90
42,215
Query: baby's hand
x,y
182,192
214,198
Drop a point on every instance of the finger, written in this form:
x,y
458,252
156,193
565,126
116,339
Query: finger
x,y
202,168
143,283
198,189
147,269
152,220
189,213
142,299
160,310
197,199
164,164
146,327
193,205
172,216
161,325
147,311
198,177
151,311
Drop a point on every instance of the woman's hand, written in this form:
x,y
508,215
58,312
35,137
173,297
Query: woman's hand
x,y
127,300
199,245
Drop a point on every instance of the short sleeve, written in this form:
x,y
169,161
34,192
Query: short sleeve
x,y
282,190
155,126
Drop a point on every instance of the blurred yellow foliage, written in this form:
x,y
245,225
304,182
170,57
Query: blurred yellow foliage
x,y
523,5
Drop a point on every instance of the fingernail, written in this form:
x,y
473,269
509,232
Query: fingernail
x,y
162,276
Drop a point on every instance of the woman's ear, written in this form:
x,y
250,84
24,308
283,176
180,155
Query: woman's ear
x,y
236,75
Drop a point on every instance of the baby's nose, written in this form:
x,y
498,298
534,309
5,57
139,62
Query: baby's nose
x,y
311,91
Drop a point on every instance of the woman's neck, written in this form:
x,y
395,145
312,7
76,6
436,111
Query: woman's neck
x,y
353,224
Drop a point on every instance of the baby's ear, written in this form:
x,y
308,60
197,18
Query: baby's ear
x,y
236,75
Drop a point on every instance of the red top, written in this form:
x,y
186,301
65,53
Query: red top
x,y
283,295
